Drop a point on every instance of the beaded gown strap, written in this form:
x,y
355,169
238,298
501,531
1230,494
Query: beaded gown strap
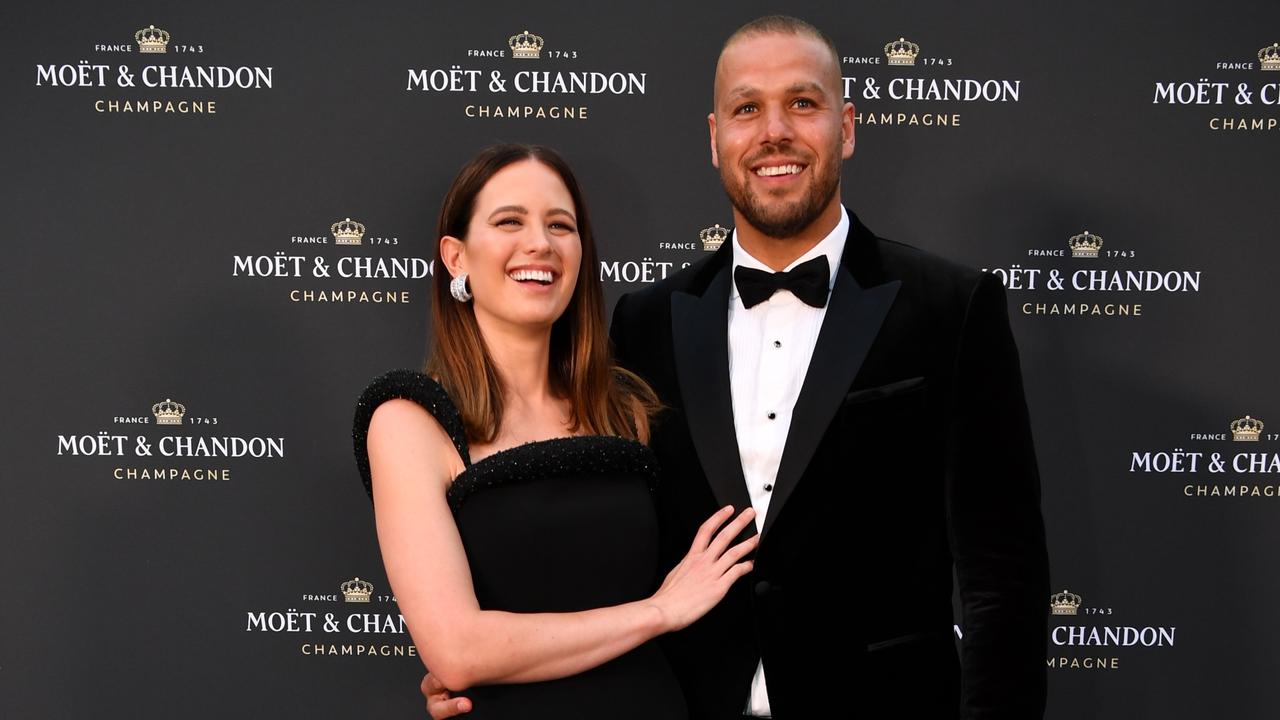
x,y
407,385
560,457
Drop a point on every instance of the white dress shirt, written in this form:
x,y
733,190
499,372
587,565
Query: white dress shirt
x,y
770,346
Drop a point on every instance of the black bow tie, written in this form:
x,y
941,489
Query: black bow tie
x,y
808,281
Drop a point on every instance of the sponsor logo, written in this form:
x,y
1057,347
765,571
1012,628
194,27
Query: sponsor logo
x,y
322,632
350,265
1233,105
920,89
1202,468
154,83
1092,637
167,449
1095,281
495,90
647,270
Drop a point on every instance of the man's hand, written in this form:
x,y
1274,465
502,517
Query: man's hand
x,y
439,704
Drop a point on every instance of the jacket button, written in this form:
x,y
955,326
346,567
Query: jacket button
x,y
763,587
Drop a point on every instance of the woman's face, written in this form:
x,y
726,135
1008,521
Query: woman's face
x,y
522,251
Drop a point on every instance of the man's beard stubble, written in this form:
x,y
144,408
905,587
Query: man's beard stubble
x,y
790,219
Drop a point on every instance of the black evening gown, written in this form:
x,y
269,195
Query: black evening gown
x,y
557,525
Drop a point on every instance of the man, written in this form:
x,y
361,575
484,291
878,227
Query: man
x,y
871,411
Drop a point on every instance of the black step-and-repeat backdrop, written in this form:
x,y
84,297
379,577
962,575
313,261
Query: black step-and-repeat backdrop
x,y
222,218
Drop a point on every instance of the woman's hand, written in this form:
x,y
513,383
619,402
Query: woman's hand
x,y
440,704
702,578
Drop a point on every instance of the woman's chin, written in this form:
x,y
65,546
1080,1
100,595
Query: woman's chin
x,y
539,316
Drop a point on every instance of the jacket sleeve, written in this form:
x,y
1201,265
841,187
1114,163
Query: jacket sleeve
x,y
996,529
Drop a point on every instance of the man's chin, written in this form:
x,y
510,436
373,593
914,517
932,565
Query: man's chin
x,y
781,227
779,222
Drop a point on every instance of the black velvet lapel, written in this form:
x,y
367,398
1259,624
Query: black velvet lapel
x,y
700,332
853,320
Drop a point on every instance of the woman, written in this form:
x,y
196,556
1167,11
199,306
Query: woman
x,y
511,487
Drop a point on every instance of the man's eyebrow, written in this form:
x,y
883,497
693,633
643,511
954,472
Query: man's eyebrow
x,y
747,91
807,87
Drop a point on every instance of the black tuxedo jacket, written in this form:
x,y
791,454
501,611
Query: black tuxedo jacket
x,y
909,454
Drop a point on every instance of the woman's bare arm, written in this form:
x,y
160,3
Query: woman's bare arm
x,y
412,462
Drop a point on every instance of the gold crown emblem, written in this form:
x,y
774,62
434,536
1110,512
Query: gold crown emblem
x,y
525,45
356,590
901,52
1086,244
347,232
713,237
152,39
1270,57
168,412
1246,429
1064,603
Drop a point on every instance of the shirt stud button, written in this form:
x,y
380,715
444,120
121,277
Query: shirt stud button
x,y
773,415
768,487
777,343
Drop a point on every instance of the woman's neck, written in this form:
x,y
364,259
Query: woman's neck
x,y
522,360
522,356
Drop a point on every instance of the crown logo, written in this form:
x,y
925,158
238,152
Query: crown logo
x,y
347,232
1064,603
1085,245
152,39
713,237
356,590
168,412
1246,429
901,52
1270,57
525,45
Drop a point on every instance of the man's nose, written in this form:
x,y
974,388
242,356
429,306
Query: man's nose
x,y
777,126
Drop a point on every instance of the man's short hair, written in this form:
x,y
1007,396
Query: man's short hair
x,y
785,25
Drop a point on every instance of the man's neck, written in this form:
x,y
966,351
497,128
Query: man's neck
x,y
778,253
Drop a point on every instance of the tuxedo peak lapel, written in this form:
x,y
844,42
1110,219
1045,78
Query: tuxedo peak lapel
x,y
853,319
700,333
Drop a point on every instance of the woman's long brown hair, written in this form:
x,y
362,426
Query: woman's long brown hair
x,y
605,399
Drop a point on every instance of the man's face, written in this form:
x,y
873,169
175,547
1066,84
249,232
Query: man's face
x,y
780,130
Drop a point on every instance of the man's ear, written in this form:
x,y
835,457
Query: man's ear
x,y
711,125
847,130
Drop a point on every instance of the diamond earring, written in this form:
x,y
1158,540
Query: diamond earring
x,y
458,288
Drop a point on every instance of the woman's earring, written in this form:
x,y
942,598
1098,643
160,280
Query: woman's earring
x,y
458,288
